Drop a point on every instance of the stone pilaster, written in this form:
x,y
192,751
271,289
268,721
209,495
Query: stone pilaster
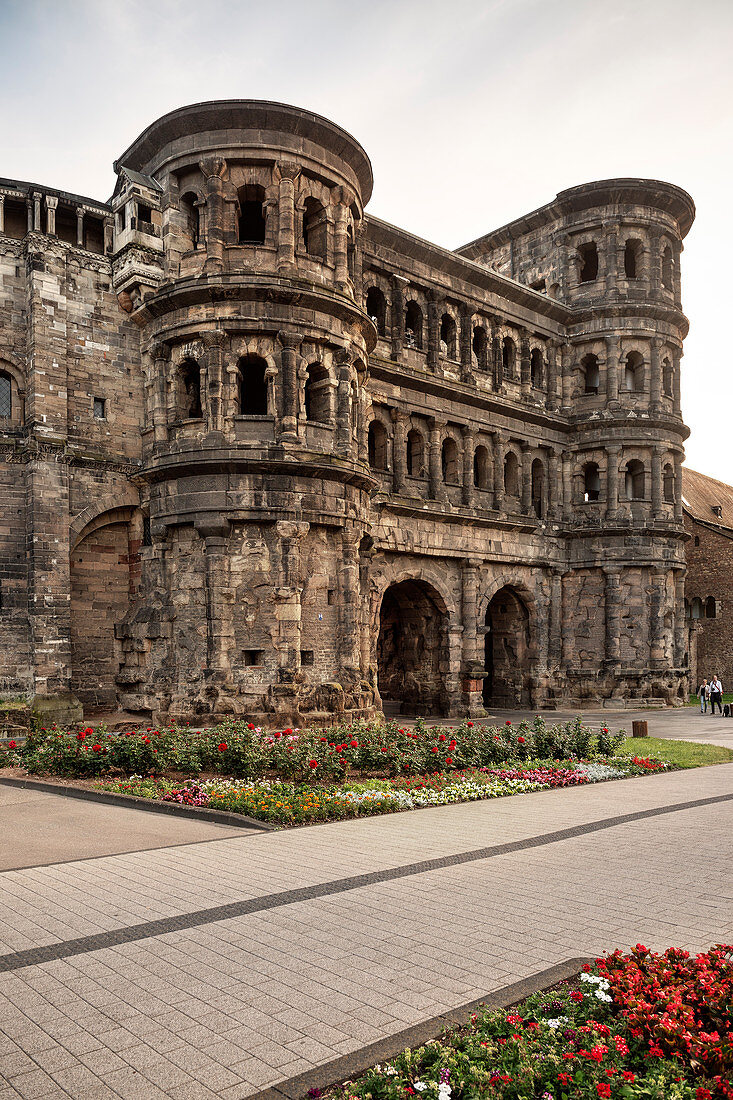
x,y
554,498
551,399
433,356
612,367
612,613
496,358
657,452
556,631
676,379
612,462
290,342
80,226
349,604
657,601
37,226
160,354
499,445
288,174
472,662
214,169
678,488
567,485
526,478
214,342
2,213
214,531
340,240
680,625
399,449
344,433
525,363
466,318
51,204
655,380
467,488
398,285
435,470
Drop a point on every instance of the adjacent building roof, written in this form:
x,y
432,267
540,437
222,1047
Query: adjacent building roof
x,y
706,499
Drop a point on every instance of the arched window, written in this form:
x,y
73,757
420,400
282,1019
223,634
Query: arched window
x,y
538,487
696,608
377,443
668,479
710,607
6,395
634,481
189,390
449,461
591,482
591,376
588,262
481,467
633,372
667,269
509,356
317,392
511,475
252,386
315,229
413,325
536,367
376,307
448,336
415,453
667,377
480,346
192,222
251,214
632,258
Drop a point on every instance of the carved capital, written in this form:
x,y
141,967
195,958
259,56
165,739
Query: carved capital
x,y
290,529
159,350
213,338
51,202
290,339
287,170
213,166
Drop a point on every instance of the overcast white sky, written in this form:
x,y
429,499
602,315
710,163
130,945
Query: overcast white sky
x,y
472,113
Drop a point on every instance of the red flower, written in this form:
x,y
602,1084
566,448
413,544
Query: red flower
x,y
576,996
223,747
507,723
354,744
287,732
12,745
448,760
441,737
603,1089
628,1075
80,736
703,1094
383,749
470,724
434,749
250,726
96,748
312,763
277,734
520,740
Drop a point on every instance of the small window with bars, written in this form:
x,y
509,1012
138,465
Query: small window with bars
x,y
100,407
6,395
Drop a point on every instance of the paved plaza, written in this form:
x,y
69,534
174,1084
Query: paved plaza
x,y
157,957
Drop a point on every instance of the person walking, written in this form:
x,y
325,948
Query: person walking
x,y
703,693
716,695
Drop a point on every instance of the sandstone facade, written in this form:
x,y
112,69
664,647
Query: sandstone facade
x,y
264,454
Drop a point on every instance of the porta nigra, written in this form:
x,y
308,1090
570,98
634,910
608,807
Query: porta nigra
x,y
263,454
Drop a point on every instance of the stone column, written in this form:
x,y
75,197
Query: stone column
x,y
613,612
656,615
435,468
219,628
554,495
655,381
612,461
344,435
37,196
676,272
496,358
680,625
467,494
526,364
567,485
287,615
471,660
676,380
612,264
551,401
555,646
433,330
288,174
466,315
51,204
108,230
568,375
214,342
29,210
655,264
2,213
213,169
398,314
80,226
678,488
349,604
657,452
612,362
499,443
340,241
160,354
526,478
399,449
290,342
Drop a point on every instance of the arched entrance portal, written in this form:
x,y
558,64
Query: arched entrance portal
x,y
506,651
412,649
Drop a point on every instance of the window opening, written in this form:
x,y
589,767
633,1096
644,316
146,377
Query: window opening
x,y
252,657
511,475
413,326
377,445
591,482
634,480
591,376
315,229
538,486
481,467
449,461
632,257
376,307
588,255
710,607
251,214
252,386
414,453
99,407
536,367
6,395
189,402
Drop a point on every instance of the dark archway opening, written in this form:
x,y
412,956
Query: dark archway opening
x,y
412,649
506,651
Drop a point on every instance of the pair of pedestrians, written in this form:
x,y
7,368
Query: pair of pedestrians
x,y
711,692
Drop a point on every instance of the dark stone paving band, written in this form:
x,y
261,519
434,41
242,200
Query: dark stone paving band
x,y
149,929
350,1066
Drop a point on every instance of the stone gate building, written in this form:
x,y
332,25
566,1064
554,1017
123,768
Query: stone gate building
x,y
265,454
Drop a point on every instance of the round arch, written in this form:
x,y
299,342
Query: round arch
x,y
508,649
413,648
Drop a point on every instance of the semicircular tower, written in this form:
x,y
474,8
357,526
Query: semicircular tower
x,y
237,227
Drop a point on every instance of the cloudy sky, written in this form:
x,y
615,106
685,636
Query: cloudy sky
x,y
472,113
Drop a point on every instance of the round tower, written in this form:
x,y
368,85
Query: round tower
x,y
617,258
237,225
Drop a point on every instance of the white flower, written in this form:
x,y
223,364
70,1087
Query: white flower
x,y
556,1023
601,996
444,1091
420,1086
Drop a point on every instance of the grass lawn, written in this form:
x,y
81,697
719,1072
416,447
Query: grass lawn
x,y
682,754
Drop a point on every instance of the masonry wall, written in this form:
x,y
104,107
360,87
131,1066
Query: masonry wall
x,y
709,569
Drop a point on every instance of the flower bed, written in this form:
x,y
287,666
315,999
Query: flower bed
x,y
285,803
245,751
638,1025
